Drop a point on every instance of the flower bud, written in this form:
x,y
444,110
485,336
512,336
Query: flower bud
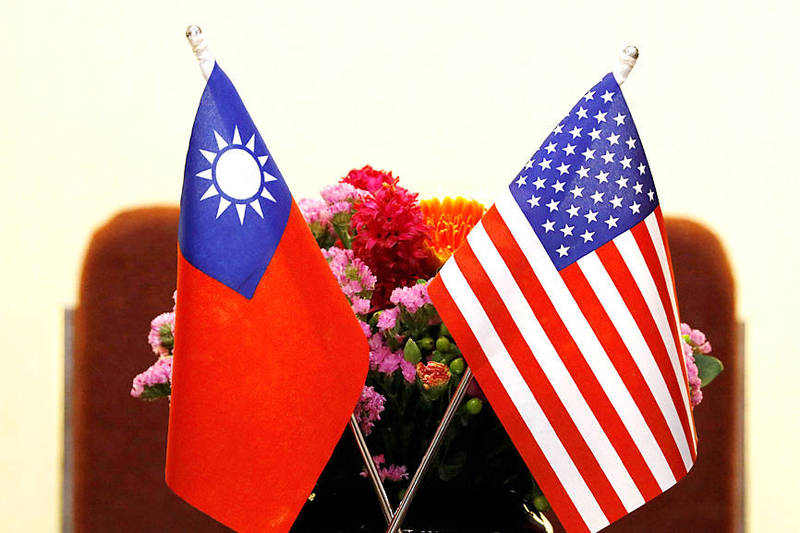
x,y
474,406
443,331
426,343
443,344
457,366
541,503
411,352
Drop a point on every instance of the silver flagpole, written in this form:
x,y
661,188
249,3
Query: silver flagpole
x,y
626,61
206,61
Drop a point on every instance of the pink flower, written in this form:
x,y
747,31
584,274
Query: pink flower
x,y
354,277
412,298
314,211
387,361
161,335
693,341
160,373
341,192
390,472
369,409
388,318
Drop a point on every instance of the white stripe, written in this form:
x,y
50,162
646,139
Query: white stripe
x,y
553,367
632,337
521,397
584,337
655,234
632,255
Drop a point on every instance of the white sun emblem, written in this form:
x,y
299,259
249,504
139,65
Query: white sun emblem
x,y
237,175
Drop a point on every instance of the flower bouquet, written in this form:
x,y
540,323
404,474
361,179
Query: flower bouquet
x,y
383,245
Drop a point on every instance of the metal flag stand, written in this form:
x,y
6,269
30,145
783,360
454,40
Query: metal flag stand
x,y
394,518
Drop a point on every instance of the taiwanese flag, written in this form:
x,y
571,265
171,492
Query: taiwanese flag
x,y
270,360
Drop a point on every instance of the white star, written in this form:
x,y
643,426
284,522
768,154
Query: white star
x,y
521,181
587,236
539,183
650,194
567,230
602,177
634,208
638,188
631,142
528,165
581,112
563,168
550,148
545,163
588,154
577,191
562,250
641,168
622,182
612,222
608,157
616,201
594,134
573,211
575,132
569,149
613,139
552,205
548,226
588,96
600,117
626,162
558,129
591,216
597,197
534,201
582,172
558,186
619,119
607,96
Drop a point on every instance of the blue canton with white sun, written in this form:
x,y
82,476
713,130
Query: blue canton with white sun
x,y
235,203
590,180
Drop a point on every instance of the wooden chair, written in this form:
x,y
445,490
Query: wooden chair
x,y
119,443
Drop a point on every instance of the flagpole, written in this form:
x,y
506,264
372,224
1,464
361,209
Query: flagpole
x,y
206,61
625,62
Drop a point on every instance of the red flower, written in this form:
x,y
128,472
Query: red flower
x,y
368,178
433,374
391,238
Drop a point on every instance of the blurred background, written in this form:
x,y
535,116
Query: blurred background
x,y
98,98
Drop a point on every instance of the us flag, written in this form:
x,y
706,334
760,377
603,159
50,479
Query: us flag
x,y
563,303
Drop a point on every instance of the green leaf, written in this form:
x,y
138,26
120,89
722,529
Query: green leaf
x,y
453,466
709,367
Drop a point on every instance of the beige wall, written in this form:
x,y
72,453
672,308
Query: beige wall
x,y
97,100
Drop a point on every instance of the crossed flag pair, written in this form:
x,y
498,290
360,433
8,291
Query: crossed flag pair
x,y
562,301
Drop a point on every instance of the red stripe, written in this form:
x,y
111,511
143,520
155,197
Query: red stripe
x,y
542,389
623,362
662,229
570,354
529,450
623,280
650,255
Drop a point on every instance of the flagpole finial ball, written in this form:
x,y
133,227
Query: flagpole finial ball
x,y
631,51
193,31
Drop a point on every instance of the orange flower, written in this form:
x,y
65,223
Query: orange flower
x,y
450,221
